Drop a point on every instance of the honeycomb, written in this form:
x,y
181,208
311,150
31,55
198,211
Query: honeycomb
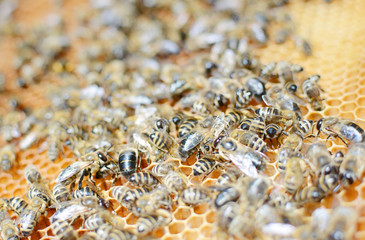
x,y
335,31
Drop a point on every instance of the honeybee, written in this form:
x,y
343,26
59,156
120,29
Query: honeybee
x,y
89,164
175,182
303,127
226,195
151,202
161,124
71,210
162,141
277,116
226,214
312,92
308,194
53,147
38,186
246,159
128,160
341,128
249,139
107,231
194,196
294,177
178,118
63,230
89,236
186,125
201,107
256,125
143,179
61,193
190,142
303,45
101,217
149,223
286,76
267,71
204,165
342,223
18,205
7,157
127,196
353,165
281,99
161,169
293,141
29,217
8,229
242,97
229,176
257,87
273,130
338,159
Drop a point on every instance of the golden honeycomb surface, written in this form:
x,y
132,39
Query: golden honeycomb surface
x,y
336,32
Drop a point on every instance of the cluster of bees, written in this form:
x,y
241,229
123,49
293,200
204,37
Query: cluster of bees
x,y
132,117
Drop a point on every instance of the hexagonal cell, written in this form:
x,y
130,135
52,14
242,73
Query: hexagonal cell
x,y
360,112
314,116
176,227
201,209
207,230
348,107
331,111
190,234
347,115
270,170
333,102
158,233
349,194
182,213
210,217
131,219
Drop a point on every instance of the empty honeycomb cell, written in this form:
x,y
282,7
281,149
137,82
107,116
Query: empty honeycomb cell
x,y
52,171
347,115
207,230
348,107
360,113
18,192
131,219
201,208
209,182
176,227
10,187
361,101
195,221
349,97
3,180
210,217
182,213
349,194
361,91
331,111
190,234
315,116
186,170
159,232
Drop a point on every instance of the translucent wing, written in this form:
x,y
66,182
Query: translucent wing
x,y
245,165
192,141
280,229
72,170
71,212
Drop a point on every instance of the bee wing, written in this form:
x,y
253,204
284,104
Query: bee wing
x,y
70,212
245,165
192,141
267,100
279,229
72,170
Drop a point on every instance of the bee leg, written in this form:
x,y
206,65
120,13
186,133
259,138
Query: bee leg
x,y
82,178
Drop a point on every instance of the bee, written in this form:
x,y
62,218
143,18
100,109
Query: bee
x,y
63,230
341,128
75,130
282,35
162,140
30,216
256,125
294,177
246,159
242,97
229,176
128,196
342,223
249,139
232,117
307,194
53,148
102,217
186,126
149,223
267,70
89,164
143,179
175,182
190,142
161,169
61,193
100,130
37,192
9,231
226,195
312,92
128,158
151,202
178,118
257,87
201,107
89,236
161,125
352,166
293,141
258,32
18,205
303,45
83,192
106,231
7,157
275,115
338,159
38,186
273,131
218,100
194,195
303,127
71,210
279,98
286,76
204,165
